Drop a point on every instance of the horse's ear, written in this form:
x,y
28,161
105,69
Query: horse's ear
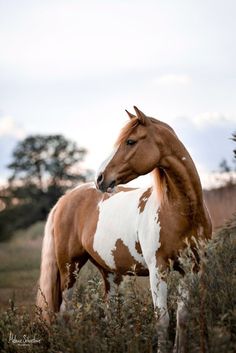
x,y
131,116
141,116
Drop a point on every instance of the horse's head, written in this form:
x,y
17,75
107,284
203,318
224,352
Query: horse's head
x,y
135,153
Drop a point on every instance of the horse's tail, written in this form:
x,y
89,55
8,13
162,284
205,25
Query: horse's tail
x,y
49,292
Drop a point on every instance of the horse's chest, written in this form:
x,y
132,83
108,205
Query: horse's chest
x,y
126,233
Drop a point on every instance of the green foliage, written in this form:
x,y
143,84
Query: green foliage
x,y
224,167
33,204
227,169
234,139
212,294
43,168
51,157
128,324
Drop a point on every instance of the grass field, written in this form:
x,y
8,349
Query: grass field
x,y
19,266
131,325
20,257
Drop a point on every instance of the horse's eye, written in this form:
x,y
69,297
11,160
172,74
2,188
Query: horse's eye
x,y
130,142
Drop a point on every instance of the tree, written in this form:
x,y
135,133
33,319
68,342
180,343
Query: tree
x,y
234,139
43,167
224,167
227,171
46,160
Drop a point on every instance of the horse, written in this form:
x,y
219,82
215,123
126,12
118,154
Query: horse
x,y
125,230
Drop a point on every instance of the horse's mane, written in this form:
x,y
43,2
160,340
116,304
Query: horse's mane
x,y
126,130
159,183
162,124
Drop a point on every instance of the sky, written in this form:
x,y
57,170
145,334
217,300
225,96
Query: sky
x,y
72,67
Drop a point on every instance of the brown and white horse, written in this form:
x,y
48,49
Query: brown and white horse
x,y
123,230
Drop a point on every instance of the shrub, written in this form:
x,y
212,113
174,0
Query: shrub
x,y
128,325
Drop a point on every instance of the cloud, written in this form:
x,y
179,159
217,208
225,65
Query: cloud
x,y
8,127
213,118
61,39
173,79
72,67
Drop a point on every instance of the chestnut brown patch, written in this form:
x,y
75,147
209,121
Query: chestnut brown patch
x,y
125,262
138,247
143,199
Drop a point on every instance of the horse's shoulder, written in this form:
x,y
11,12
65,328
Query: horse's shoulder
x,y
80,194
83,189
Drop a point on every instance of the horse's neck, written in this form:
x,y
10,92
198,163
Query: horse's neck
x,y
178,182
179,188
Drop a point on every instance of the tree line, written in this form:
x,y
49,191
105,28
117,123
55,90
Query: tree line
x,y
43,167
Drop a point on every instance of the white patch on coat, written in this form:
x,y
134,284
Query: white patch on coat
x,y
159,297
119,218
183,158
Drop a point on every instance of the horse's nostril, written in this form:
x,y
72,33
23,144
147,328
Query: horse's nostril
x,y
112,184
100,178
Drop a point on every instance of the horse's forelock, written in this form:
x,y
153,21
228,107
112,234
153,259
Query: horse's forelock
x,y
133,123
126,130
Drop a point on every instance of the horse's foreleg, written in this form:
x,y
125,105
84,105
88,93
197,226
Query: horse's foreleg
x,y
66,300
111,282
68,279
159,295
182,322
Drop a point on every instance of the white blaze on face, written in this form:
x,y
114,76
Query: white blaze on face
x,y
120,219
105,163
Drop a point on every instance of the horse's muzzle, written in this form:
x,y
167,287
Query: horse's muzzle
x,y
103,185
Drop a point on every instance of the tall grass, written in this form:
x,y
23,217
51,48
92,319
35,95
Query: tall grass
x,y
128,324
19,265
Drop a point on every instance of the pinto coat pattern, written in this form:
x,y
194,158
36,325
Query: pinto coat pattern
x,y
126,231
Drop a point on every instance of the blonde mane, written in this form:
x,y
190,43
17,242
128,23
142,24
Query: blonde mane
x,y
159,183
